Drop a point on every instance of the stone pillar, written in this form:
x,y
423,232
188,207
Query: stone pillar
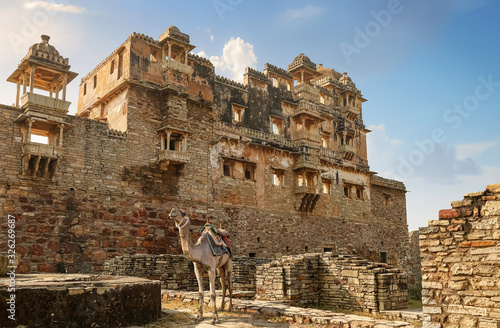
x,y
17,92
24,82
184,143
168,141
30,123
169,52
65,82
162,142
61,130
186,58
301,76
32,77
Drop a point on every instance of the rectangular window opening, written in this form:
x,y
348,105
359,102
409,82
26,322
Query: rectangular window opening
x,y
383,257
324,141
41,139
95,81
85,89
326,187
152,56
120,66
278,178
227,170
250,172
112,67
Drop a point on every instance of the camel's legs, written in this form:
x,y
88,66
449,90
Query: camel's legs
x,y
211,277
230,285
198,270
222,274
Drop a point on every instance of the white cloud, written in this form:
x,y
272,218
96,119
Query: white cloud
x,y
382,150
473,150
202,54
306,13
236,56
212,37
50,6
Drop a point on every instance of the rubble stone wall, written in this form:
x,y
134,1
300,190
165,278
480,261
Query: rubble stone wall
x,y
461,261
340,281
177,273
414,266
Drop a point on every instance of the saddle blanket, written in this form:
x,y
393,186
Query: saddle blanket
x,y
218,240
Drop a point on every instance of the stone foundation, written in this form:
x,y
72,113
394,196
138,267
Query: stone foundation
x,y
461,263
73,301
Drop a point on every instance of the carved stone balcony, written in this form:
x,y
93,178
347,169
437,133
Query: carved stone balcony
x,y
347,152
175,65
305,135
307,197
38,149
174,157
307,161
36,100
306,91
314,190
40,160
350,112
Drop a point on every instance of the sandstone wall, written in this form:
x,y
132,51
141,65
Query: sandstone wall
x,y
414,263
176,272
461,263
340,281
113,189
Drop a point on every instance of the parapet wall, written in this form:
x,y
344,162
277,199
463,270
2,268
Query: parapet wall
x,y
339,281
461,263
176,272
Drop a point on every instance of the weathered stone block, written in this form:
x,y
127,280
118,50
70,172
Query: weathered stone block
x,y
449,214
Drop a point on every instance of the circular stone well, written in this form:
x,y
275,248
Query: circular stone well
x,y
80,300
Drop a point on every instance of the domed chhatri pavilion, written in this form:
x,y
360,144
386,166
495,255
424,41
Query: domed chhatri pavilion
x,y
280,160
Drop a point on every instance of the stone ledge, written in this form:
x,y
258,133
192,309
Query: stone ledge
x,y
292,314
79,300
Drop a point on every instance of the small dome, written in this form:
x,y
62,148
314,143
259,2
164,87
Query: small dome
x,y
173,32
46,53
302,60
346,80
325,71
172,28
45,47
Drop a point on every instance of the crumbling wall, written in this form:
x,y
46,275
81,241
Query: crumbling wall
x,y
414,267
176,272
340,281
461,263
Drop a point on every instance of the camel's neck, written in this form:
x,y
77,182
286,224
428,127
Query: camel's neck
x,y
188,247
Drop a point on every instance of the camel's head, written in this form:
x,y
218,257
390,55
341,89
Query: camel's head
x,y
177,215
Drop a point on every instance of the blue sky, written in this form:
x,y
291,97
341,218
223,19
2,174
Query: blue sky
x,y
429,69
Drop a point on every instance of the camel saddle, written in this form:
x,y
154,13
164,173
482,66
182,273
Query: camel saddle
x,y
218,240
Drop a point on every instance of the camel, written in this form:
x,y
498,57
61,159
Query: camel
x,y
203,259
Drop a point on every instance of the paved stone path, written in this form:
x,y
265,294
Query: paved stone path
x,y
292,314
